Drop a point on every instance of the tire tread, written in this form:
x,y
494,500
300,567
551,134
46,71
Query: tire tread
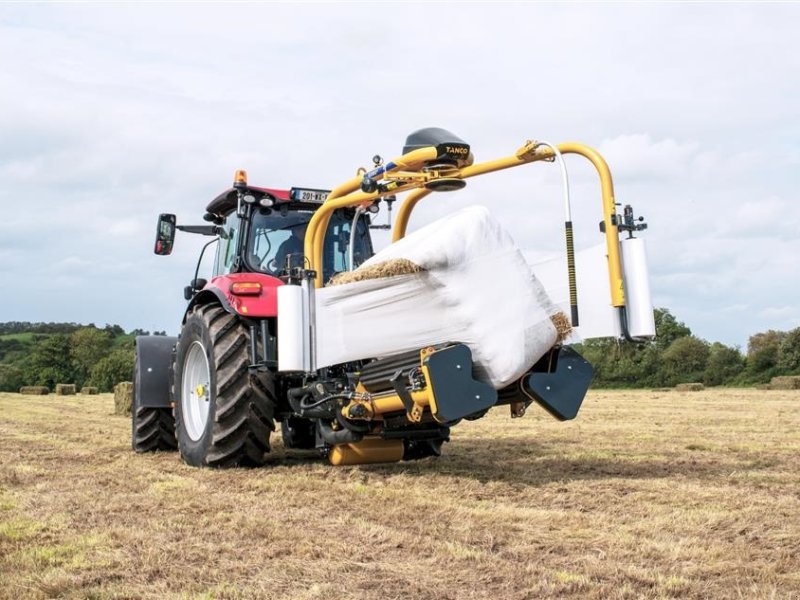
x,y
153,430
244,407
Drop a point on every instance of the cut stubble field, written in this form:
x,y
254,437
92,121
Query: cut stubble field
x,y
646,494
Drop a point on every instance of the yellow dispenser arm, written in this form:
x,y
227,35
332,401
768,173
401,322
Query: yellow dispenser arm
x,y
408,173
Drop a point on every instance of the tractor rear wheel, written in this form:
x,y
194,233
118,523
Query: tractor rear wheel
x,y
224,415
152,428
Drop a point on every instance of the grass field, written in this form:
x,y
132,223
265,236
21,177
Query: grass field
x,y
27,336
646,494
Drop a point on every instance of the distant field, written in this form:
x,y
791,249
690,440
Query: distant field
x,y
21,337
645,495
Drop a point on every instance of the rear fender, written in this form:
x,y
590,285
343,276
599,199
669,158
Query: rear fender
x,y
207,296
265,304
153,371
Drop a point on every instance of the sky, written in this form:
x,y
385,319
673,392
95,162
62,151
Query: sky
x,y
113,113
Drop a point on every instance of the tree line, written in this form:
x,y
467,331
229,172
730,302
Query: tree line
x,y
678,356
51,353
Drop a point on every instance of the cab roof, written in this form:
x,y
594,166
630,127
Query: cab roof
x,y
226,201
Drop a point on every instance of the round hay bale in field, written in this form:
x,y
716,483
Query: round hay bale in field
x,y
785,382
89,390
34,390
690,387
123,398
386,268
65,389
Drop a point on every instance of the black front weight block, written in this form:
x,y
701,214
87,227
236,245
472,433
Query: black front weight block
x,y
561,391
456,394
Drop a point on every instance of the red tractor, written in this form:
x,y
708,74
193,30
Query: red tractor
x,y
217,390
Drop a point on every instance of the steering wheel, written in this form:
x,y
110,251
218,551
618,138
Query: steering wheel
x,y
272,266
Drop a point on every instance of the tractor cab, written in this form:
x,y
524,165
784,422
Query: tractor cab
x,y
269,240
262,230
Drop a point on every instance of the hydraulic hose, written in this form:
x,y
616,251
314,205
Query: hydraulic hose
x,y
351,248
322,401
623,323
573,287
346,435
315,411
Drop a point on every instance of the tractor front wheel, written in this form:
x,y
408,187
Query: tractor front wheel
x,y
224,415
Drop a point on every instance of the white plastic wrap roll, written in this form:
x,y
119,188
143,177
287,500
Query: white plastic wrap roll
x,y
639,302
292,330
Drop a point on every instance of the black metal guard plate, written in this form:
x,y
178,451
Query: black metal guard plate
x,y
154,359
561,392
455,392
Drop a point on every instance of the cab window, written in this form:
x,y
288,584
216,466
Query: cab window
x,y
277,239
226,249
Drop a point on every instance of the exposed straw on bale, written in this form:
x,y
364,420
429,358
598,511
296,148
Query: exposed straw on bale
x,y
88,390
123,398
386,268
690,387
786,382
34,390
65,389
562,325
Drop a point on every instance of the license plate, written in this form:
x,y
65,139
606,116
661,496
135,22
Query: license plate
x,y
309,195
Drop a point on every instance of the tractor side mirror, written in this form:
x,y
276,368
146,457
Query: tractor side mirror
x,y
165,234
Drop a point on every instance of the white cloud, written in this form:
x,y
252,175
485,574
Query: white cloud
x,y
638,157
780,312
110,114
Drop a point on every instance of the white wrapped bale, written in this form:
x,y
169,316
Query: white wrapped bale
x,y
475,287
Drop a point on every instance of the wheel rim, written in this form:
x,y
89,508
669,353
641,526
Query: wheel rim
x,y
195,391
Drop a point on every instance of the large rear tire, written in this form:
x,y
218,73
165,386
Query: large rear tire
x,y
152,428
224,415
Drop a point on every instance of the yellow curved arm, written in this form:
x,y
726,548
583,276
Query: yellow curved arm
x,y
346,195
609,210
528,154
403,214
